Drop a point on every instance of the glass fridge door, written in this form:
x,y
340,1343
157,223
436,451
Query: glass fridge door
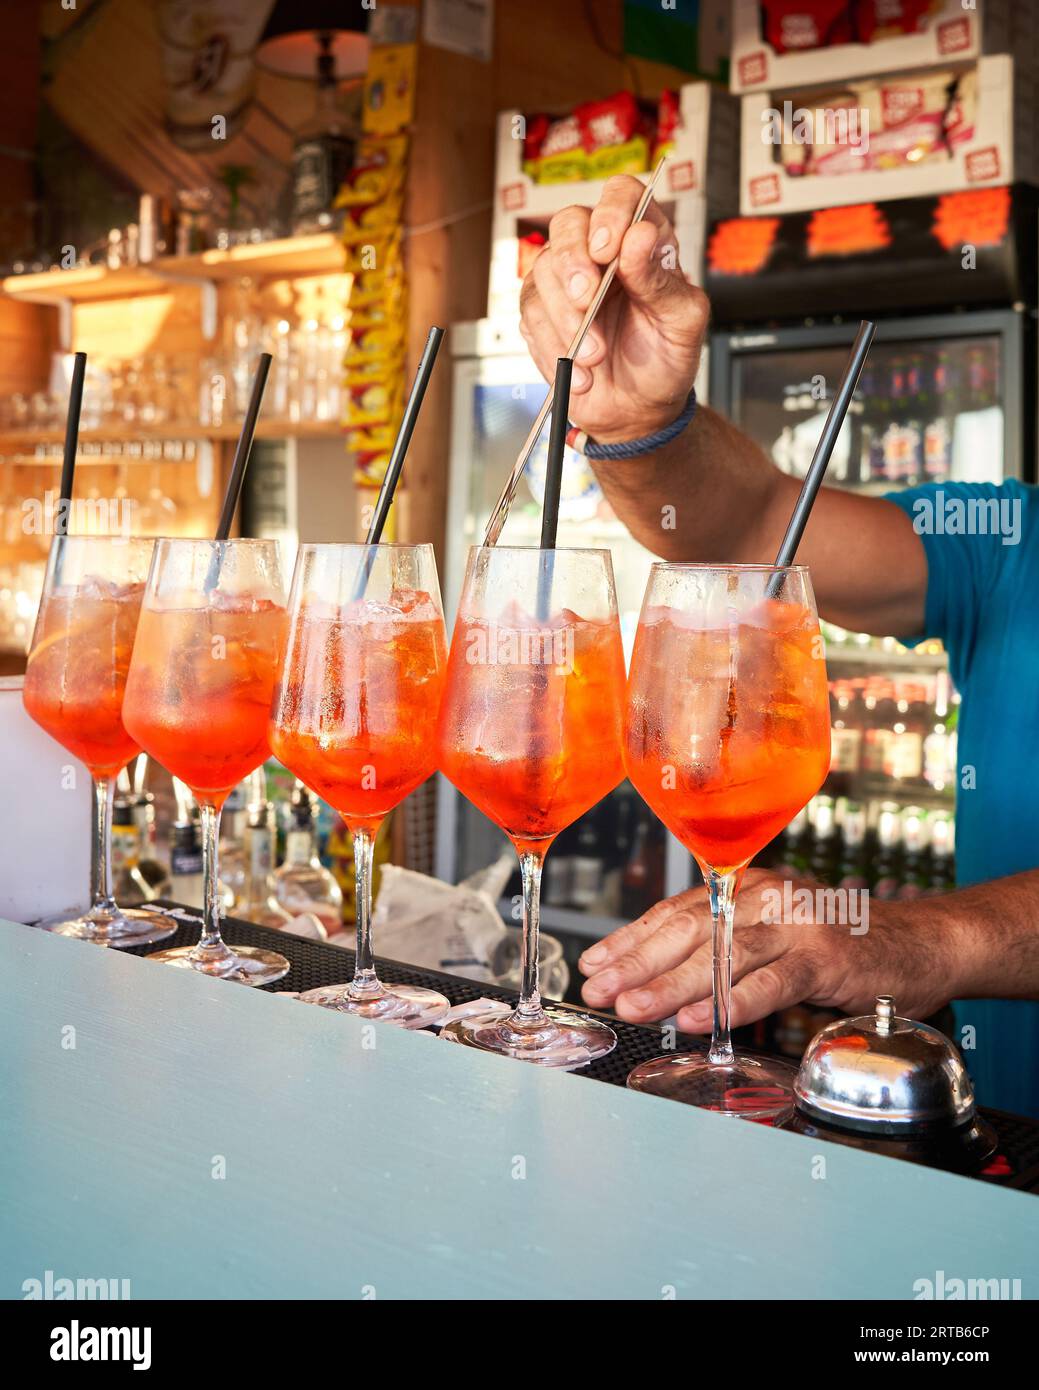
x,y
617,859
925,411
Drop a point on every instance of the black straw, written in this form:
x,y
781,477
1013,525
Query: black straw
x,y
821,458
553,480
407,429
68,466
556,444
245,444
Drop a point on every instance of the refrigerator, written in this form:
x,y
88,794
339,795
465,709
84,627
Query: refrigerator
x,y
944,397
617,859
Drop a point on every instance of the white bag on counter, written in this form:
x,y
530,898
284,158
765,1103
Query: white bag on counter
x,y
437,926
46,806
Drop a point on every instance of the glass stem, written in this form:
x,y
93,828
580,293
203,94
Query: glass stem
x,y
529,1007
211,939
101,888
365,984
722,889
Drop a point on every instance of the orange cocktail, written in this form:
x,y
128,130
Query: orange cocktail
x,y
728,752
530,731
198,697
727,737
355,718
75,679
76,672
357,708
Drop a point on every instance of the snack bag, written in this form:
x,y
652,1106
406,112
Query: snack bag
x,y
611,131
562,158
792,26
537,129
669,118
379,169
887,19
529,250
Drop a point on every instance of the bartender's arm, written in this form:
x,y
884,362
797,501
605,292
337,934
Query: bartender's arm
x,y
710,495
980,942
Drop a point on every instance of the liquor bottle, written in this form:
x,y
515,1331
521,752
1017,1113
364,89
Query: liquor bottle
x,y
845,732
887,860
897,463
186,862
852,867
323,153
917,410
637,876
938,429
943,868
588,869
623,807
903,753
128,887
915,878
303,884
936,768
878,719
794,847
257,902
233,870
822,860
559,868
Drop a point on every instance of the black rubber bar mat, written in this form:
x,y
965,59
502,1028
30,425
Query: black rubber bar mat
x,y
315,963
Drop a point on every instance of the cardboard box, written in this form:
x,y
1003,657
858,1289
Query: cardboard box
x,y
951,34
1003,148
698,182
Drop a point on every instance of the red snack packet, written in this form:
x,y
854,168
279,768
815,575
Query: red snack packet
x,y
529,249
536,130
797,25
886,19
669,117
612,121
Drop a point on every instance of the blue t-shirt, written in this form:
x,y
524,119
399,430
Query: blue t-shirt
x,y
982,545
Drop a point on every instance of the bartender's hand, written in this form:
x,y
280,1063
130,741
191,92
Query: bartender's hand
x,y
661,964
640,356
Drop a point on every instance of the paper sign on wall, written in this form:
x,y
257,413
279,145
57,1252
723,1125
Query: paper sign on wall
x,y
461,26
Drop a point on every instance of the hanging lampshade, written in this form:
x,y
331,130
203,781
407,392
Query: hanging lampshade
x,y
299,31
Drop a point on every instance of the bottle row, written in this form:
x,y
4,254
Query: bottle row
x,y
895,851
903,418
903,729
284,859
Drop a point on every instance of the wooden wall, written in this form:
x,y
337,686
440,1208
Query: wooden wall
x,y
546,56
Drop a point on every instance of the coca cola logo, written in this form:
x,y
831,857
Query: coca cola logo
x,y
210,63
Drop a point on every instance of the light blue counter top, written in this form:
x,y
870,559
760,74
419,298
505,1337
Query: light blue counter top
x,y
415,1168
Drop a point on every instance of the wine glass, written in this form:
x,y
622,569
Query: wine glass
x,y
727,737
530,731
74,683
198,696
355,719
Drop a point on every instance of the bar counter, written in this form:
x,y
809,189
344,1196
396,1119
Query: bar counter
x,y
204,1140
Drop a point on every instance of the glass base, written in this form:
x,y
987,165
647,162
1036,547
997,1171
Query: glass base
x,y
127,926
554,1038
409,1006
245,965
748,1088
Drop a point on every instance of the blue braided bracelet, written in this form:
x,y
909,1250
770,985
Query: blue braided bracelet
x,y
633,448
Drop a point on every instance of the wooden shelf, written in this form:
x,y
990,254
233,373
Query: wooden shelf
x,y
265,429
322,254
